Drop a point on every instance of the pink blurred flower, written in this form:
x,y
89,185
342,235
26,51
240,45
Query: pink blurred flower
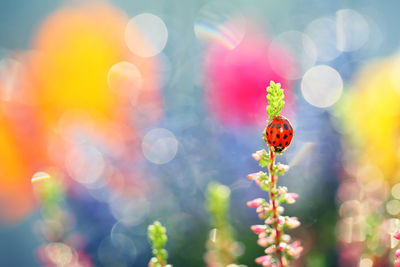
x,y
255,203
258,228
236,79
397,235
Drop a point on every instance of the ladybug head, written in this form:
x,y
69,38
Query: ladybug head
x,y
279,134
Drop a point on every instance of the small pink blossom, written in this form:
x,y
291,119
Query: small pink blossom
x,y
291,198
263,260
295,249
269,221
397,235
282,246
280,209
254,176
282,190
269,250
258,155
293,222
398,253
263,242
283,167
280,220
255,203
260,209
262,235
258,229
286,238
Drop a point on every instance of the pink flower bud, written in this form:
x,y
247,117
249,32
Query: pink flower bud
x,y
398,253
280,220
291,197
282,246
286,238
262,235
280,209
254,176
397,235
255,203
293,222
260,209
269,221
269,250
295,249
282,190
258,229
263,260
263,242
258,155
283,167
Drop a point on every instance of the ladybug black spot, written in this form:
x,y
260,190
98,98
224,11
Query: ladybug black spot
x,y
277,119
290,134
273,142
284,137
286,143
273,125
271,132
280,144
278,126
278,136
267,133
286,126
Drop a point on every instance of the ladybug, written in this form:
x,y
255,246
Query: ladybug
x,y
279,134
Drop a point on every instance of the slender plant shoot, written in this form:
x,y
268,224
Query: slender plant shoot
x,y
278,134
158,237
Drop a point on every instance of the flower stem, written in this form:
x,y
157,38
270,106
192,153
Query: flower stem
x,y
274,203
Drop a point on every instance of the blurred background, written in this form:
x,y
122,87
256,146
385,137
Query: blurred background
x,y
117,113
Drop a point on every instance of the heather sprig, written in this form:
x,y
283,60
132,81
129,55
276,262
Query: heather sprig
x,y
158,237
275,99
396,235
221,246
279,248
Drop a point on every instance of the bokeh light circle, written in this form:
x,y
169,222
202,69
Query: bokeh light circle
x,y
117,250
85,165
218,22
301,47
396,191
153,31
322,32
159,146
322,86
40,176
352,30
125,79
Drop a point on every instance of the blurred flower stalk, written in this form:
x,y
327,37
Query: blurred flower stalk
x,y
62,247
158,237
278,247
222,249
369,190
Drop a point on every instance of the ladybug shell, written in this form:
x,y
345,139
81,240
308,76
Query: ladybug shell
x,y
279,134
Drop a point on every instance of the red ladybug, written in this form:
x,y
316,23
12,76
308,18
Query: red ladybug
x,y
279,134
